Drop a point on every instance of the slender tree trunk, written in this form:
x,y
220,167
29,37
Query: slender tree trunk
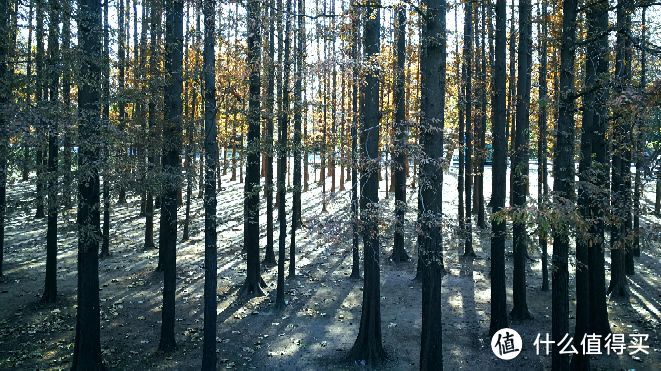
x,y
510,127
563,186
598,49
121,99
269,258
369,344
585,241
5,97
542,184
40,98
67,179
499,318
355,30
254,283
87,346
481,134
174,37
639,145
155,22
105,124
298,117
461,103
618,287
520,164
432,121
283,123
401,136
210,202
50,287
468,105
28,97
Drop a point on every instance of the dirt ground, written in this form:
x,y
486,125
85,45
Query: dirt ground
x,y
320,322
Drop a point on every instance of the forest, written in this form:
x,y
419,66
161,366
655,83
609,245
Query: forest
x,y
330,184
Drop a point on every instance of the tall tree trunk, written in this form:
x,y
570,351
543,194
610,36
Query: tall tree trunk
x,y
172,126
5,97
432,122
369,344
499,318
639,144
597,71
620,164
67,179
189,117
269,257
87,346
50,287
468,105
584,240
510,125
542,184
105,124
40,98
355,48
28,97
283,123
210,202
122,51
461,103
154,31
520,164
297,219
563,185
254,283
481,131
401,136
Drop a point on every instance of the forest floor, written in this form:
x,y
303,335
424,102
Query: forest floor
x,y
320,322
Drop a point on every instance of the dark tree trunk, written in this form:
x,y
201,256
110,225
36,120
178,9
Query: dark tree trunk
x,y
269,257
481,131
620,197
50,287
298,118
87,346
122,51
584,240
563,187
67,179
172,126
461,103
510,125
40,98
210,202
5,96
432,122
369,344
105,124
189,168
401,136
155,24
520,164
283,123
355,47
254,282
468,106
639,144
542,184
28,98
597,21
499,190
